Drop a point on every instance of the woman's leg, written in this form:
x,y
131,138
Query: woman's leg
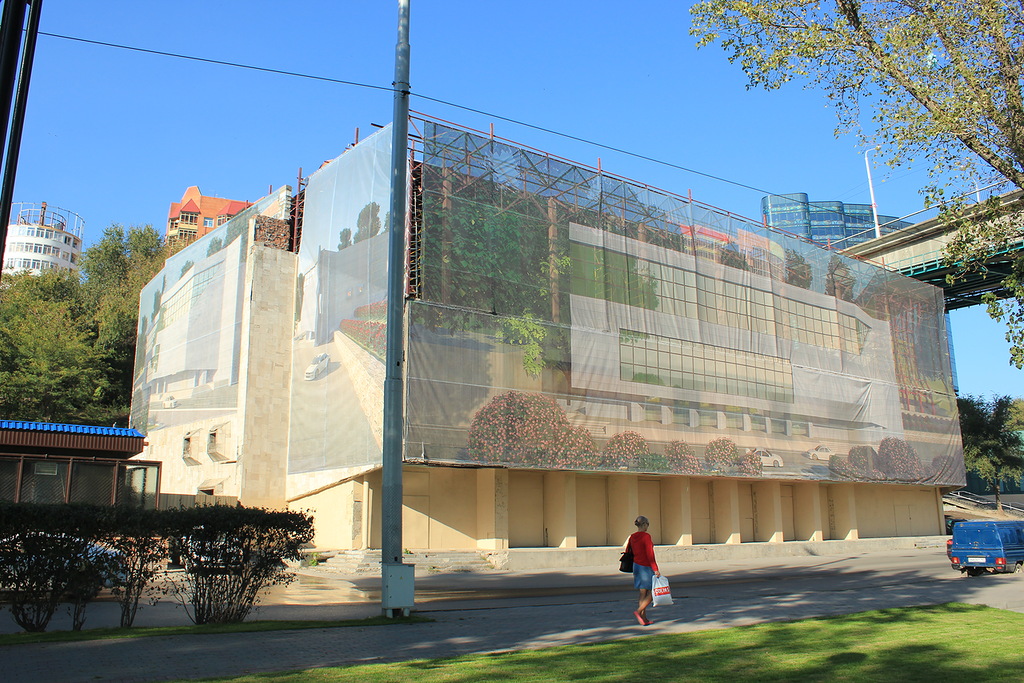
x,y
645,600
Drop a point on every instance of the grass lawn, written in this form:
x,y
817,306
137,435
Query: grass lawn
x,y
244,627
952,642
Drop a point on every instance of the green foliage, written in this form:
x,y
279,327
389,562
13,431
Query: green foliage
x,y
681,459
46,557
139,541
719,454
50,367
942,80
231,555
993,448
67,340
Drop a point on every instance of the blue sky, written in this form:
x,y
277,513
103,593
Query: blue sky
x,y
117,135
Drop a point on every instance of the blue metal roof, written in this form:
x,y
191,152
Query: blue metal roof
x,y
70,429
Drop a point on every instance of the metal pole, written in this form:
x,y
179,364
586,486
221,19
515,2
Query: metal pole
x,y
871,189
396,578
18,123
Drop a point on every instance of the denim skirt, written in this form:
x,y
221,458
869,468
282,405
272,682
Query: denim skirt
x,y
643,577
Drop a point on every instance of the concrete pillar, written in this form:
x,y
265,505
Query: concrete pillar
x,y
623,507
768,526
560,509
371,510
747,424
843,511
726,511
676,514
492,509
807,514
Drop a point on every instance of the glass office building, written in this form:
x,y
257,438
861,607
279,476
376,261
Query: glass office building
x,y
830,224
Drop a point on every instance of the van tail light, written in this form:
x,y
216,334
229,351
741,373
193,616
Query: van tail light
x,y
1000,561
956,560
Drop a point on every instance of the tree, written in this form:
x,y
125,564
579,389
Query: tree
x,y
992,448
115,270
943,81
50,369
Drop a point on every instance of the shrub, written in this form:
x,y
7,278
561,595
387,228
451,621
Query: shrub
x,y
231,554
681,459
139,541
719,454
576,450
48,553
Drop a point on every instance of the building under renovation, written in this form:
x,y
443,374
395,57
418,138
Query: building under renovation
x,y
580,348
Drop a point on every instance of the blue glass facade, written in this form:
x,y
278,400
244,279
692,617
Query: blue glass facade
x,y
827,223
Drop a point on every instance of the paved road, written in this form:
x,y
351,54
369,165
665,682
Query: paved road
x,y
496,611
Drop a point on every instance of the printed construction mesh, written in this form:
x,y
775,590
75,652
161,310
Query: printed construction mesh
x,y
568,319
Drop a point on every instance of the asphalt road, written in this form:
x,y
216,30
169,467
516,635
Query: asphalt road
x,y
497,611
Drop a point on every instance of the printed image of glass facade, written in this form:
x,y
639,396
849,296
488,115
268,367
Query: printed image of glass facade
x,y
831,224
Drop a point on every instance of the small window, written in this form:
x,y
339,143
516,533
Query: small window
x,y
207,222
45,469
186,447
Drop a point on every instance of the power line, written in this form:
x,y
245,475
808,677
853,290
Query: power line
x,y
499,117
327,79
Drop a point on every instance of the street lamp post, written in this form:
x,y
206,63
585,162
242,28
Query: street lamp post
x,y
397,591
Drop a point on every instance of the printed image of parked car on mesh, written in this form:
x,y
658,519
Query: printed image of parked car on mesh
x,y
819,453
317,366
768,459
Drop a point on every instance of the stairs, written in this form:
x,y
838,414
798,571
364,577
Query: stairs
x,y
364,561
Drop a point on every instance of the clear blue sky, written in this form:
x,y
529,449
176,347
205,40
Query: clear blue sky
x,y
116,135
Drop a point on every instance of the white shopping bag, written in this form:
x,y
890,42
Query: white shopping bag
x,y
661,592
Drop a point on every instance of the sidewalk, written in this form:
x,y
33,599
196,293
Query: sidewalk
x,y
497,611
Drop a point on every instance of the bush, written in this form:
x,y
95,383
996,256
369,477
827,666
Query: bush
x,y
139,541
719,454
231,554
681,459
49,554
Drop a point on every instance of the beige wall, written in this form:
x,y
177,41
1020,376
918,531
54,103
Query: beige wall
x,y
496,509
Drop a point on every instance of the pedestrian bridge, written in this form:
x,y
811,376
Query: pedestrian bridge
x,y
916,252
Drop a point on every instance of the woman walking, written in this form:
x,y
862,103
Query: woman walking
x,y
645,568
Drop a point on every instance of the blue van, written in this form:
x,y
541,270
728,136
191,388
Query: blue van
x,y
987,546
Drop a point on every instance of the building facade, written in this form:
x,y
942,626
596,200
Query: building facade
x,y
41,237
196,215
831,224
579,349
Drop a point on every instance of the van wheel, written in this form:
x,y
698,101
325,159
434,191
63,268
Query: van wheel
x,y
975,571
1018,568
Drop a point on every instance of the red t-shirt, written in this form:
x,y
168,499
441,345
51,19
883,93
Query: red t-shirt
x,y
643,549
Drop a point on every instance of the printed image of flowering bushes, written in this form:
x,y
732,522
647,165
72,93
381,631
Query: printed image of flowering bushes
x,y
719,455
681,459
371,335
631,450
529,430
